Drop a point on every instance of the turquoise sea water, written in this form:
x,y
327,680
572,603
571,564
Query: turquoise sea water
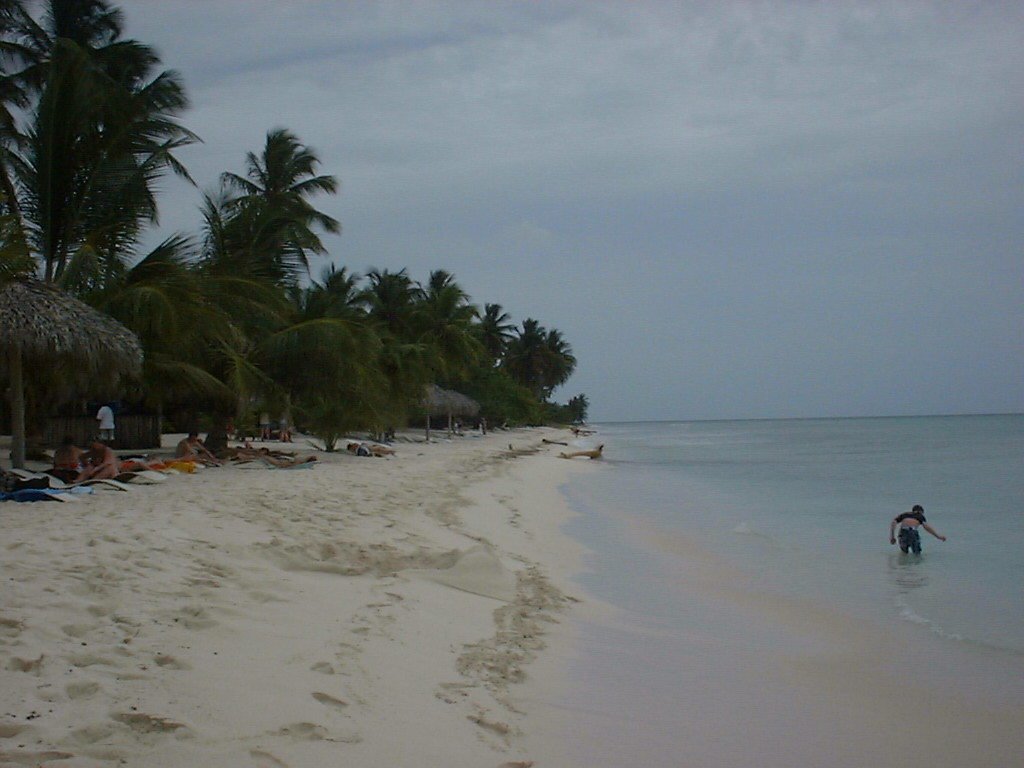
x,y
734,550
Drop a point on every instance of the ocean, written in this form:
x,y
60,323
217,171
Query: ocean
x,y
759,616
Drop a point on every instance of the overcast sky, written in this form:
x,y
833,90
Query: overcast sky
x,y
729,209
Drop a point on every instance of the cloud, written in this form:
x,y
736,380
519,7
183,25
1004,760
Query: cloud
x,y
718,197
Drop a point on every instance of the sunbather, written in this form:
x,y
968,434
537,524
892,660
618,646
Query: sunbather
x,y
247,452
287,463
99,463
67,461
369,449
191,448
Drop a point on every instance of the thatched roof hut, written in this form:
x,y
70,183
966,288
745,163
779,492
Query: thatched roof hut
x,y
41,327
446,402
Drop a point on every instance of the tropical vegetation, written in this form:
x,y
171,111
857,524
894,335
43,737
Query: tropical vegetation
x,y
230,318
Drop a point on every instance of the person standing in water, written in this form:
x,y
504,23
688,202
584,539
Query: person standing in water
x,y
910,536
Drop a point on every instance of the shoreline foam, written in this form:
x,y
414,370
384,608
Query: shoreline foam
x,y
371,612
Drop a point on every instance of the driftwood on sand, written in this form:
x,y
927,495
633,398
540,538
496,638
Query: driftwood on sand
x,y
591,454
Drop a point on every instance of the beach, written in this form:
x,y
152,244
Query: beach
x,y
478,601
364,612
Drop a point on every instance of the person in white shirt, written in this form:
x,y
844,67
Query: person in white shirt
x,y
105,417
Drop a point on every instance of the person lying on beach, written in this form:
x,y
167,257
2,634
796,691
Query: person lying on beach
x,y
138,463
369,449
99,463
67,461
286,463
191,448
247,452
594,454
910,537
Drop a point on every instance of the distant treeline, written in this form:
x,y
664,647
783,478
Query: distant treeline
x,y
230,318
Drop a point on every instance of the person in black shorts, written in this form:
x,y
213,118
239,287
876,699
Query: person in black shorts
x,y
910,536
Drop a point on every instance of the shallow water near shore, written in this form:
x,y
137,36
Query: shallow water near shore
x,y
764,619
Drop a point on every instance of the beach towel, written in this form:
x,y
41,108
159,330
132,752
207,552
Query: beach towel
x,y
57,484
142,476
38,494
182,466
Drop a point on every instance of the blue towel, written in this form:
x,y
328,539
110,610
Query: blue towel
x,y
31,494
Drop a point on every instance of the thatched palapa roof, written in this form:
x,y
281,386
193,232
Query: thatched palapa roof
x,y
45,324
445,402
42,329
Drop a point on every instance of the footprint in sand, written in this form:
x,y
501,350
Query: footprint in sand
x,y
82,690
32,666
89,735
77,630
33,758
266,760
10,730
194,617
10,628
304,731
323,668
314,732
329,700
140,722
82,660
170,662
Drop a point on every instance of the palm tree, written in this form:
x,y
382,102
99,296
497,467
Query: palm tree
x,y
100,130
168,305
343,387
559,361
495,330
13,97
391,299
273,202
525,355
539,359
446,319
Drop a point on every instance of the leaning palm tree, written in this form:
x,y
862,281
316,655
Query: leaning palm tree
x,y
273,201
559,361
168,305
100,129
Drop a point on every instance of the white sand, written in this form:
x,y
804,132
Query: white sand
x,y
367,612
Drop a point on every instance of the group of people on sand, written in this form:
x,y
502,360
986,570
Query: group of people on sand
x,y
72,464
191,448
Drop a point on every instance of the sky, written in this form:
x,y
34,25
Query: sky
x,y
729,209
